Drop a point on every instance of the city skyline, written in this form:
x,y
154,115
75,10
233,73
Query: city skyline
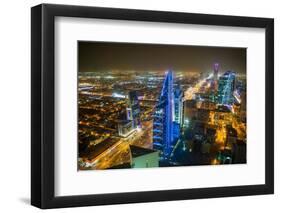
x,y
97,56
148,118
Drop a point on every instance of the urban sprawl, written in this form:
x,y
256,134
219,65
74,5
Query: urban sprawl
x,y
140,119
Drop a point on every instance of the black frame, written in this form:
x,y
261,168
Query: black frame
x,y
42,105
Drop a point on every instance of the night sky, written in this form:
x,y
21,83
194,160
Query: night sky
x,y
100,56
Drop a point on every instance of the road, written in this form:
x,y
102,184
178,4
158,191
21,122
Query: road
x,y
190,92
119,152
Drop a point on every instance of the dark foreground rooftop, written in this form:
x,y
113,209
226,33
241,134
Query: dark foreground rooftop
x,y
137,151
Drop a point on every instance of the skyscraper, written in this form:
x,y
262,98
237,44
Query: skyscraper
x,y
216,71
163,118
215,77
226,88
133,108
178,101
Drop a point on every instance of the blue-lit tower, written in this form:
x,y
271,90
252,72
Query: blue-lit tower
x,y
178,101
226,88
163,118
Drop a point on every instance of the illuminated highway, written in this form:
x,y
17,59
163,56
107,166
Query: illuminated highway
x,y
190,92
221,124
119,153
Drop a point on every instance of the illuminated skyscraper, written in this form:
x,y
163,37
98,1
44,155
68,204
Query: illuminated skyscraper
x,y
163,118
133,108
216,71
214,82
226,88
178,101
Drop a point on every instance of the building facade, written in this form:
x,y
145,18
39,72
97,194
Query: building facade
x,y
226,88
125,127
163,118
178,109
133,108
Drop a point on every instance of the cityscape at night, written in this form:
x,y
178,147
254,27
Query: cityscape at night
x,y
156,105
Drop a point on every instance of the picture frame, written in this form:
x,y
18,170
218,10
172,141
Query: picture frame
x,y
43,105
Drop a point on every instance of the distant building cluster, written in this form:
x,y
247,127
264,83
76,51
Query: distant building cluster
x,y
213,121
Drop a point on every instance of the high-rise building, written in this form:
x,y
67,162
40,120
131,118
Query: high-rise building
x,y
163,118
178,109
216,71
214,81
226,88
133,108
125,128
